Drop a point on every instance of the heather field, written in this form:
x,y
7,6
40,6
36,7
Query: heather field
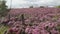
x,y
31,21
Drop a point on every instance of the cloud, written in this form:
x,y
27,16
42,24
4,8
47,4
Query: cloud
x,y
27,3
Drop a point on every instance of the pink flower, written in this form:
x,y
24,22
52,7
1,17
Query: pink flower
x,y
36,31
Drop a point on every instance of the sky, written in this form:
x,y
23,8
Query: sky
x,y
27,3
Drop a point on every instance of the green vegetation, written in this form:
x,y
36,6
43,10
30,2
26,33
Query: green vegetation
x,y
58,6
3,29
3,8
58,28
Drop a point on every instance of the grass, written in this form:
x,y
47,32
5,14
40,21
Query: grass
x,y
3,29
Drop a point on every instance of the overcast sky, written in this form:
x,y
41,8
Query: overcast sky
x,y
27,3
